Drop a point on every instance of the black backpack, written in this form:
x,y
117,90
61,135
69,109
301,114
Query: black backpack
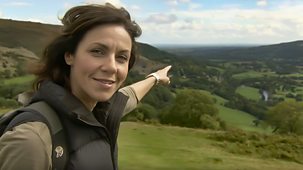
x,y
42,112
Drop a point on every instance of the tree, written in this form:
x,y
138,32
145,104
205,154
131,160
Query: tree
x,y
143,112
286,117
159,97
190,109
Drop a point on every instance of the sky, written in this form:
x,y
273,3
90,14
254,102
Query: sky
x,y
200,22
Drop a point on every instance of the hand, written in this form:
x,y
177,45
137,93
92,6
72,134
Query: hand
x,y
162,73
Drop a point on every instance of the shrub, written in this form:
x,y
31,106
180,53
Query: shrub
x,y
192,108
8,103
143,112
286,147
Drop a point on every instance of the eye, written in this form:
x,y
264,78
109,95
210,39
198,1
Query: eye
x,y
98,51
122,58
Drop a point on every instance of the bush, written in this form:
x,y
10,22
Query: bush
x,y
11,91
143,112
266,146
286,117
209,122
8,103
192,108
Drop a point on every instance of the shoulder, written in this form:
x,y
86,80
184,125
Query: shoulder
x,y
132,100
31,138
130,92
30,134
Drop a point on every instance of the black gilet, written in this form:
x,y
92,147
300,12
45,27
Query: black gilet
x,y
91,138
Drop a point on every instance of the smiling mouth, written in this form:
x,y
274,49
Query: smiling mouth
x,y
105,81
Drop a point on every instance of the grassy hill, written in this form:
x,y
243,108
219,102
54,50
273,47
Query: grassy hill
x,y
152,147
236,118
274,51
29,35
28,39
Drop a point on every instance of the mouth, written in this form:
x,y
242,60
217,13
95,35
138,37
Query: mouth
x,y
106,82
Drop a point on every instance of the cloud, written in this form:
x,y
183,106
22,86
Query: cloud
x,y
18,4
117,3
176,2
134,8
262,3
194,6
67,5
161,18
232,25
185,1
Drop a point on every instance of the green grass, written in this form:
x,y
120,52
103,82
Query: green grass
x,y
152,147
2,110
249,92
299,90
294,75
19,80
253,74
219,100
239,119
217,68
235,118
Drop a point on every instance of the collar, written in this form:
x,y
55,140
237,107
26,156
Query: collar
x,y
65,103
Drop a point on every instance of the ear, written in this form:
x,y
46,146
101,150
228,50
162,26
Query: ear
x,y
69,58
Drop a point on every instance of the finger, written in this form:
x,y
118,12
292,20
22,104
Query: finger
x,y
167,68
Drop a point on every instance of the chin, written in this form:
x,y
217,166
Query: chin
x,y
103,98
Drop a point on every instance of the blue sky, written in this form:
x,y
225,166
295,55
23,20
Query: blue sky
x,y
186,21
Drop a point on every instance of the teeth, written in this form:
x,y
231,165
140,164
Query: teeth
x,y
104,81
107,82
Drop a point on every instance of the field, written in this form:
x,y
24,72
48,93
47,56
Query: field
x,y
252,74
236,118
239,119
19,80
151,147
249,92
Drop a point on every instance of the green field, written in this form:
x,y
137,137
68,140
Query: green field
x,y
253,74
235,118
249,92
239,119
298,75
152,147
19,80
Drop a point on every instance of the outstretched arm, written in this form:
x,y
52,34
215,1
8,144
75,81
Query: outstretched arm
x,y
139,89
142,87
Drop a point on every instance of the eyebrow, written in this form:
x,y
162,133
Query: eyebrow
x,y
101,45
107,48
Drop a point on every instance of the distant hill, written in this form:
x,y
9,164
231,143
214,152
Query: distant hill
x,y
288,50
30,35
33,37
154,53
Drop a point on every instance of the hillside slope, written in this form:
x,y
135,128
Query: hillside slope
x,y
33,37
287,50
151,147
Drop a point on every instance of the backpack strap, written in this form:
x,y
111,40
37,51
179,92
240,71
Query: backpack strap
x,y
41,111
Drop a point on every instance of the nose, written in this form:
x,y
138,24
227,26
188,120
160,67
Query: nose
x,y
109,64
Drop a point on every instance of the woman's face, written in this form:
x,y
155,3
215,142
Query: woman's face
x,y
100,63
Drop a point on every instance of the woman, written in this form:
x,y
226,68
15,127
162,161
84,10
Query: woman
x,y
81,73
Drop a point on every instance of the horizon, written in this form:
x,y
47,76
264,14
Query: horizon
x,y
190,22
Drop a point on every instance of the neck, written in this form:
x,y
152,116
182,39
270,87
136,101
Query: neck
x,y
89,105
86,101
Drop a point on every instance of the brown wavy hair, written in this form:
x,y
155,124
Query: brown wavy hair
x,y
76,22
